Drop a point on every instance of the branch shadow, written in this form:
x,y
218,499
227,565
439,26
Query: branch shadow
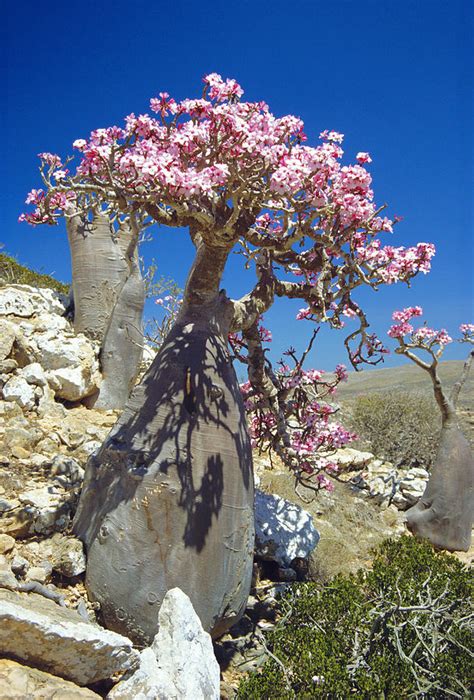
x,y
181,427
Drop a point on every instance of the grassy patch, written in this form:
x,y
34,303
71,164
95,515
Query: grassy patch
x,y
11,272
400,426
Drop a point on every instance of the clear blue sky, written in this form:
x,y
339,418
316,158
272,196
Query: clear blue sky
x,y
395,76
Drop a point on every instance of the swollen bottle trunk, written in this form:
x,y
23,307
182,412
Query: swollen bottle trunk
x,y
444,513
168,500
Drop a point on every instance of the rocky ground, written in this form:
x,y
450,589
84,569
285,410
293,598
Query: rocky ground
x,y
47,433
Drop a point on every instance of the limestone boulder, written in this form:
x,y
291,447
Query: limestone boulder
x,y
180,662
74,383
7,338
413,484
17,681
25,301
351,459
34,374
68,557
48,508
18,390
283,530
58,640
60,352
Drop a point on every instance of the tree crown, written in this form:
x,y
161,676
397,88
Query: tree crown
x,y
237,175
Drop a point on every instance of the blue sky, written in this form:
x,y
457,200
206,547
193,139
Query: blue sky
x,y
395,76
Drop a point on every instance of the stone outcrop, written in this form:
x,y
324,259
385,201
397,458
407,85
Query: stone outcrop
x,y
283,530
46,357
180,662
17,681
379,479
58,640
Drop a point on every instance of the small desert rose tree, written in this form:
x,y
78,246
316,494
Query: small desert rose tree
x,y
168,499
443,515
107,288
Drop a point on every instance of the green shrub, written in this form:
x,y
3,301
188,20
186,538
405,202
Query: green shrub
x,y
11,272
400,426
403,629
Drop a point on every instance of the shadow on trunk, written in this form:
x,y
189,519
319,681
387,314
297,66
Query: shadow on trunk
x,y
168,500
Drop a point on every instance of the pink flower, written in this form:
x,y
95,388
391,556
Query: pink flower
x,y
34,197
407,313
466,327
341,373
363,157
443,338
80,144
332,136
50,158
400,330
303,313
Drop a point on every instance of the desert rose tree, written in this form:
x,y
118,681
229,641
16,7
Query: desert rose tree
x,y
168,499
444,512
108,292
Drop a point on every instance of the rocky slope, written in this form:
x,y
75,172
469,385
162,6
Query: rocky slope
x,y
50,633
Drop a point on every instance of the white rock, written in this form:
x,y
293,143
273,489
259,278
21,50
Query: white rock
x,y
26,328
59,641
412,489
51,324
283,530
25,301
349,457
62,351
18,390
91,446
69,558
7,338
180,664
49,509
40,498
47,406
67,471
17,681
415,473
34,374
74,383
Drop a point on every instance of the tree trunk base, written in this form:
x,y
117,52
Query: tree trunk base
x,y
168,500
443,515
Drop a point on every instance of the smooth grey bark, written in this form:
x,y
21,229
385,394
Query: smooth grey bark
x,y
168,499
99,270
444,513
122,347
109,297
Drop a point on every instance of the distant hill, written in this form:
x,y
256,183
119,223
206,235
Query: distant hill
x,y
406,378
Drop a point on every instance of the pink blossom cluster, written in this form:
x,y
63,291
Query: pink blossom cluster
x,y
424,337
394,264
311,430
467,328
304,314
190,152
217,151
